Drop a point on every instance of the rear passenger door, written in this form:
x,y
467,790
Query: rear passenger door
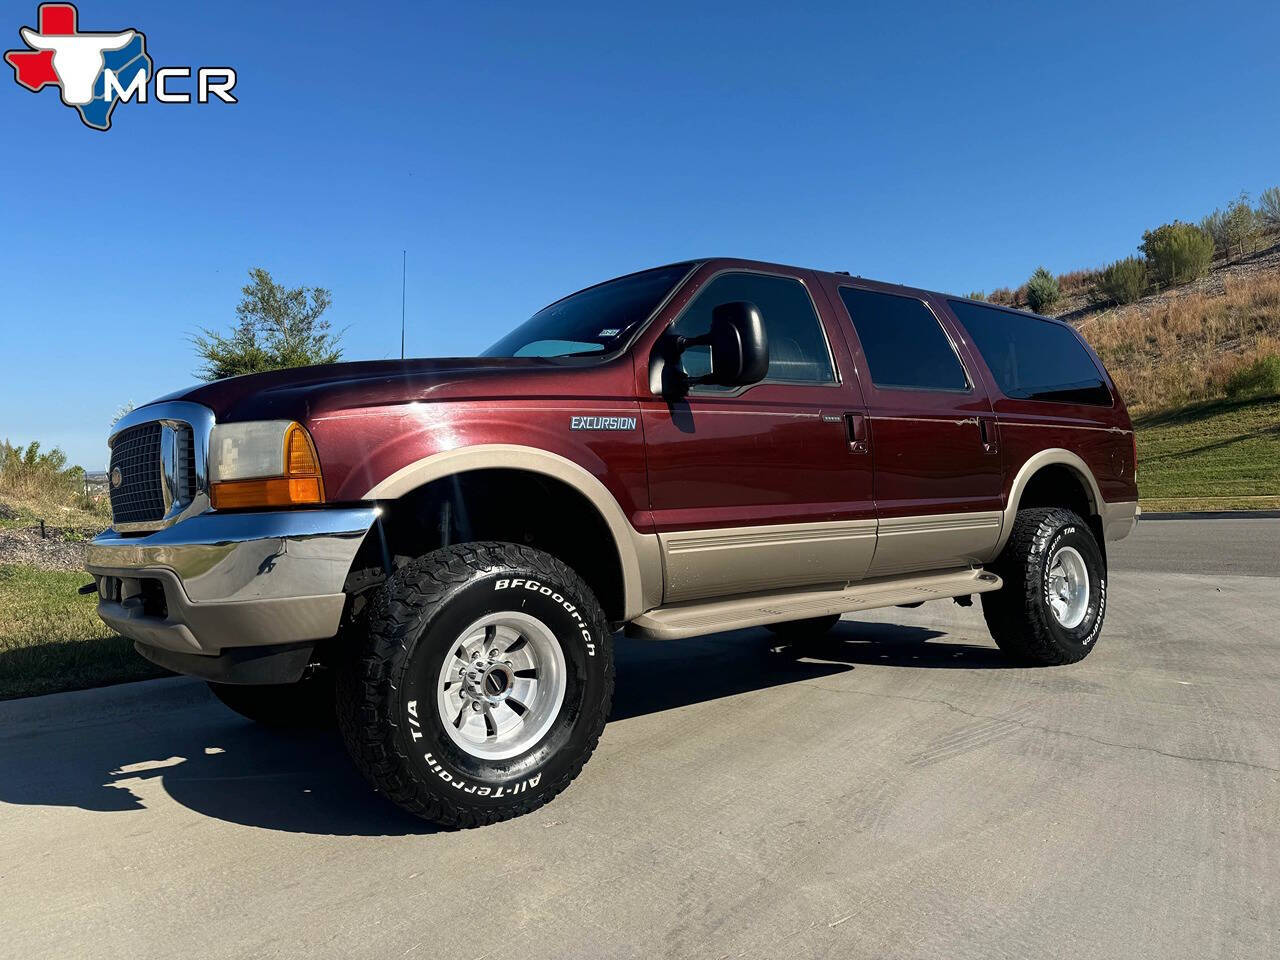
x,y
933,437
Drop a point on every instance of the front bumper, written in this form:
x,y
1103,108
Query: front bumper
x,y
224,580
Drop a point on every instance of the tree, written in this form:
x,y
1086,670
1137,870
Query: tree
x,y
1269,208
1042,290
122,411
275,328
1234,228
1177,252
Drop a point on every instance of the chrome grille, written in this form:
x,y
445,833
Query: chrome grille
x,y
185,452
139,497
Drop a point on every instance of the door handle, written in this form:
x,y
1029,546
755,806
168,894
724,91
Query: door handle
x,y
990,431
855,425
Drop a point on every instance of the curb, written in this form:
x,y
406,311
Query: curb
x,y
1213,515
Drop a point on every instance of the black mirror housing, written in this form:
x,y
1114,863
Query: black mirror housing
x,y
739,348
739,345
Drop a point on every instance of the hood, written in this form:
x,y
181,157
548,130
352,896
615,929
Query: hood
x,y
301,393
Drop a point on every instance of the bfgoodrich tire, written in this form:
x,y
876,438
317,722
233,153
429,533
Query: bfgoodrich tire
x,y
1051,607
481,686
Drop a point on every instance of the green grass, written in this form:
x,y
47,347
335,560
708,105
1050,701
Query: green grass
x,y
1223,455
51,639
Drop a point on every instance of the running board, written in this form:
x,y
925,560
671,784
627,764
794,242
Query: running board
x,y
714,616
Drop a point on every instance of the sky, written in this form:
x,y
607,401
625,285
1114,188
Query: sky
x,y
520,151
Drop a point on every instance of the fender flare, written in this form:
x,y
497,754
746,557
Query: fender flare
x,y
638,554
1054,456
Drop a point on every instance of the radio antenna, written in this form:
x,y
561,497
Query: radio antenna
x,y
404,260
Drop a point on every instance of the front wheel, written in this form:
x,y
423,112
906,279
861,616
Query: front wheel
x,y
1051,607
482,685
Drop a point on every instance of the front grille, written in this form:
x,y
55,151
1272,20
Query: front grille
x,y
139,497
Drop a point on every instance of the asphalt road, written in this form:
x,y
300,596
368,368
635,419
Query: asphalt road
x,y
902,792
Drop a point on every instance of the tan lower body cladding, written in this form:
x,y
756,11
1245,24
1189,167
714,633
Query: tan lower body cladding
x,y
725,562
728,561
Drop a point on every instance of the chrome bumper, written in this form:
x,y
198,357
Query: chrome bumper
x,y
215,581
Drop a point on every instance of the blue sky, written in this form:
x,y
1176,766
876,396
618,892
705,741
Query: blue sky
x,y
519,151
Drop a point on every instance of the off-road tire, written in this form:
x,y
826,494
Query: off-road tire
x,y
1019,615
307,703
809,629
386,692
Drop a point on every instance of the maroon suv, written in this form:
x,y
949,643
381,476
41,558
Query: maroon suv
x,y
445,548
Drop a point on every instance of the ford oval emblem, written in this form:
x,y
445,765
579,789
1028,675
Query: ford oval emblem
x,y
117,478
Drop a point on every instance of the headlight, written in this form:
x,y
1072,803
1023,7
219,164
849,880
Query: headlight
x,y
265,463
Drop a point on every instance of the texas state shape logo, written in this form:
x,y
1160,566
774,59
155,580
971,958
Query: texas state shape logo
x,y
78,62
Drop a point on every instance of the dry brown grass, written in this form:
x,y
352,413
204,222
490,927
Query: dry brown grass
x,y
1184,347
1077,282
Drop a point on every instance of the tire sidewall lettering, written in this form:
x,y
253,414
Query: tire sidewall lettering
x,y
570,608
1086,636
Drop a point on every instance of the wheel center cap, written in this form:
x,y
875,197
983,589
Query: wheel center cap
x,y
490,681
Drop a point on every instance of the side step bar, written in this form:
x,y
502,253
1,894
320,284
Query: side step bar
x,y
713,616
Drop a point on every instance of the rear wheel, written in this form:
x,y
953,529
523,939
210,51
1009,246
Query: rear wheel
x,y
307,703
1051,607
482,686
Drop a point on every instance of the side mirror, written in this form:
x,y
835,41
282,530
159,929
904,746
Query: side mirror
x,y
739,345
739,349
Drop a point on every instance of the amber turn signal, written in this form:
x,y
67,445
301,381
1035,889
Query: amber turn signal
x,y
300,485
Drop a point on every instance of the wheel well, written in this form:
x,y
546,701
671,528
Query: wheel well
x,y
1058,485
516,506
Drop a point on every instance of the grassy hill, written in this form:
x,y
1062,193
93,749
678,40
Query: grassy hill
x,y
1194,343
1199,367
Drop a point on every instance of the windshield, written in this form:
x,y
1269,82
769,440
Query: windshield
x,y
597,320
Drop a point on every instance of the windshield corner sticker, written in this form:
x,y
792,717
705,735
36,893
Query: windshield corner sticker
x,y
602,423
609,332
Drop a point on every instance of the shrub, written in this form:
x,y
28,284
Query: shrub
x,y
1124,281
26,472
1042,290
1177,252
1269,208
1259,378
977,295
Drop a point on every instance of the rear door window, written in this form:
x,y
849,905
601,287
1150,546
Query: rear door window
x,y
1031,358
903,342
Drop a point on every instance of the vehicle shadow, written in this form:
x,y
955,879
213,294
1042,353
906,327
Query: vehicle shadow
x,y
219,765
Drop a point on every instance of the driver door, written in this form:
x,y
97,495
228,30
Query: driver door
x,y
761,487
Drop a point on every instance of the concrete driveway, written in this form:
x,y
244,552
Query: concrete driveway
x,y
901,792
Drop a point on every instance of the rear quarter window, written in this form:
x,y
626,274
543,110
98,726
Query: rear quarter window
x,y
1033,359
